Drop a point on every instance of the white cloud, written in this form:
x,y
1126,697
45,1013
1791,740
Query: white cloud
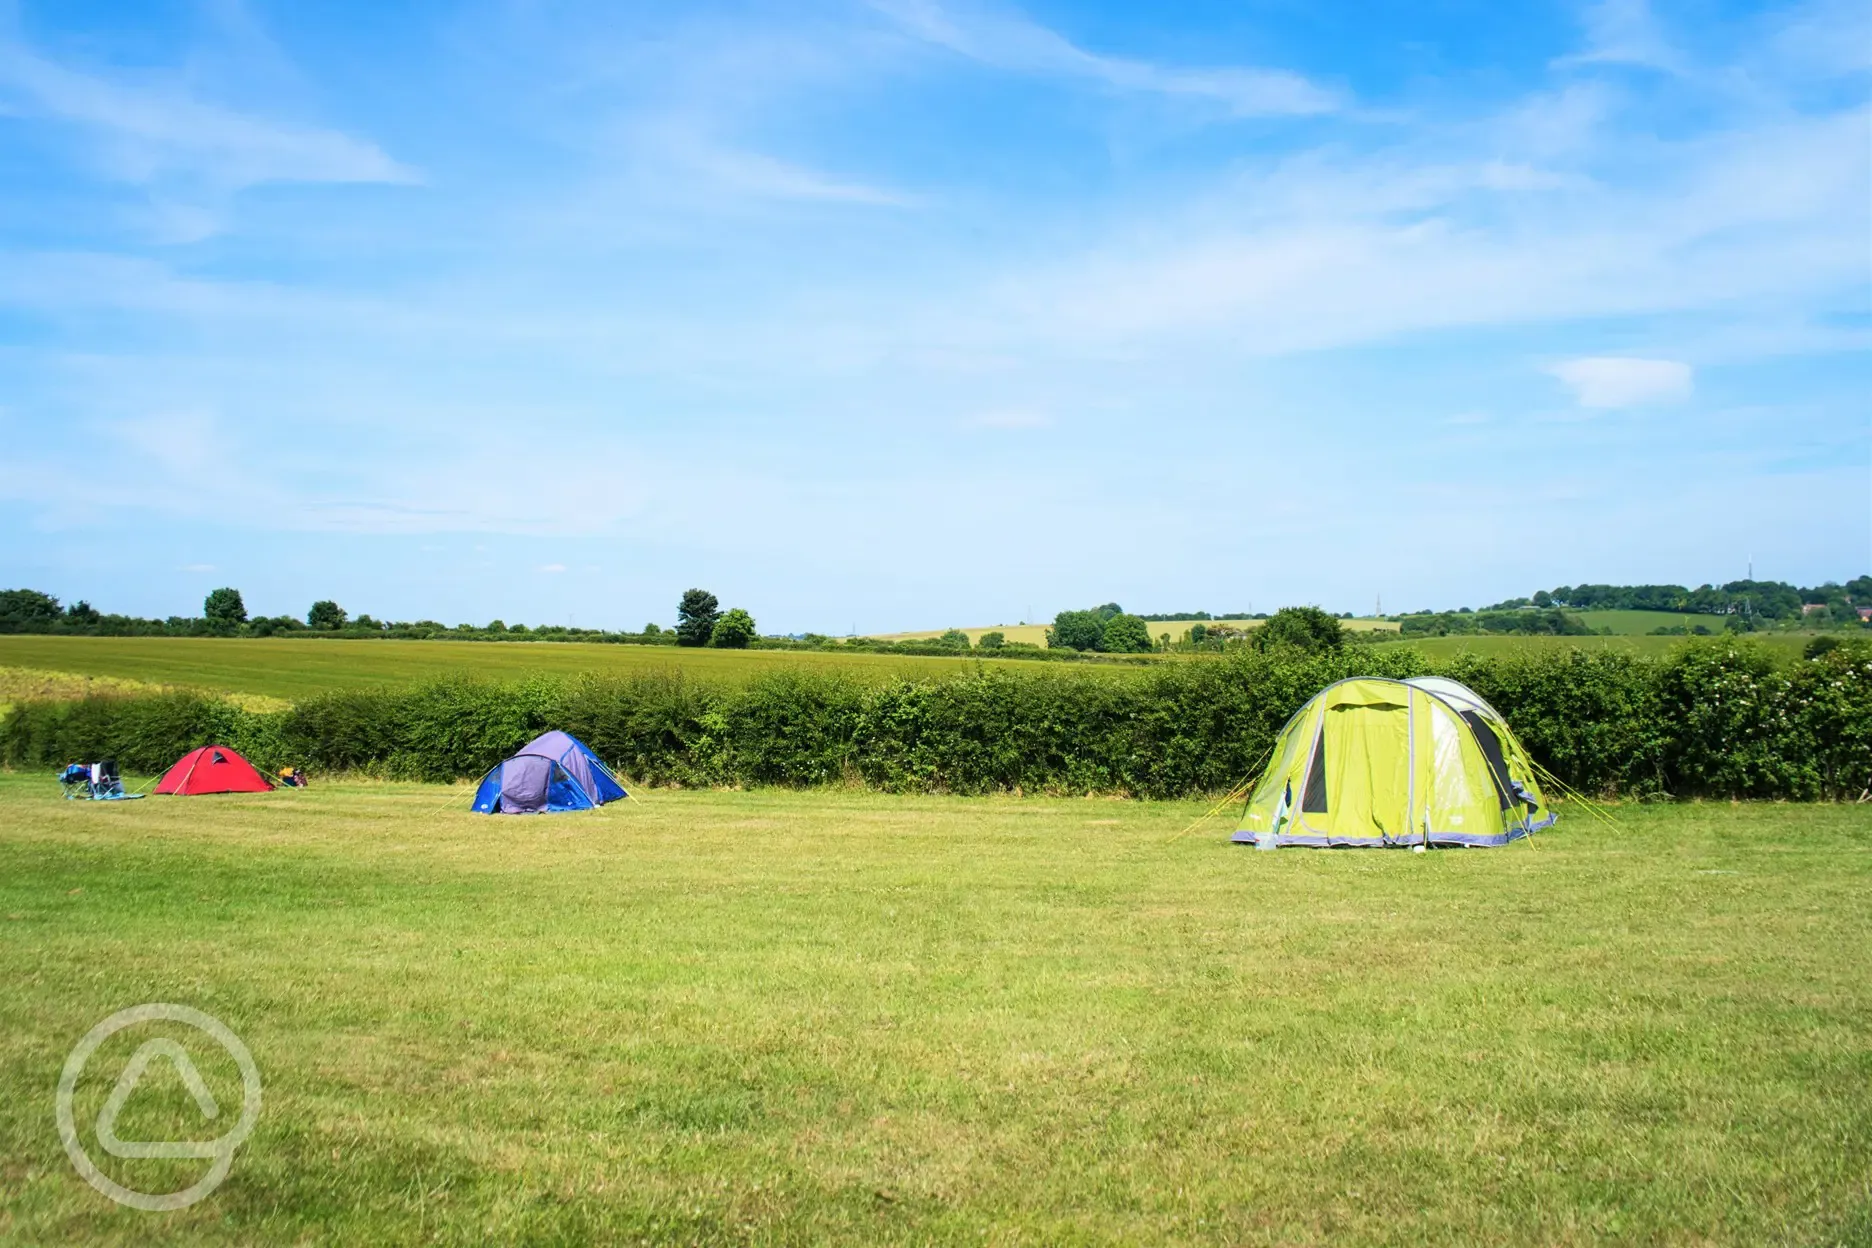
x,y
1624,381
1823,39
1011,42
724,168
1624,32
147,134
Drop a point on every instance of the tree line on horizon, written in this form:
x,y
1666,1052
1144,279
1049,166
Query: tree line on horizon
x,y
1106,629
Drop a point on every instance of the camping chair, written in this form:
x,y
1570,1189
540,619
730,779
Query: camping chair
x,y
94,782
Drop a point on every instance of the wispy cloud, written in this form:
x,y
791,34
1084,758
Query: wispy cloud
x,y
1822,39
145,133
1009,41
1625,32
786,260
1623,381
724,169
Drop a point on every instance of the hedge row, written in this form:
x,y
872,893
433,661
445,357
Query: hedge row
x,y
1714,719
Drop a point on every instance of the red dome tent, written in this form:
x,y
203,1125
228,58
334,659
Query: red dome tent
x,y
212,769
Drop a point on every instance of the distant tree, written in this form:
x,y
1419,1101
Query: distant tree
x,y
326,614
82,614
27,611
224,608
1107,610
1304,628
1076,630
516,628
1771,600
267,626
368,623
497,626
695,617
1126,634
991,641
955,638
653,630
1197,633
733,630
1543,599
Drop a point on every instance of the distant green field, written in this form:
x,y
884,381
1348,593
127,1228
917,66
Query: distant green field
x,y
1636,623
1787,644
849,1018
1178,630
296,667
291,668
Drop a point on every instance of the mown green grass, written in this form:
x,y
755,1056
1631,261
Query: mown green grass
x,y
779,1017
293,668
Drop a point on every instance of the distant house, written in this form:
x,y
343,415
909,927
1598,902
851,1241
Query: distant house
x,y
1865,615
1812,608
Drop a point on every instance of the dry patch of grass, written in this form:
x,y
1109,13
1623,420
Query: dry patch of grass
x,y
20,684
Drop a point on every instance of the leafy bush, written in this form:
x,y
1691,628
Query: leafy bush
x,y
1827,721
1590,716
1076,630
993,640
733,630
1125,634
223,608
1713,719
1523,621
28,611
1308,629
326,614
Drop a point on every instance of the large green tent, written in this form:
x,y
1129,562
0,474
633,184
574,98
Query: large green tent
x,y
1376,762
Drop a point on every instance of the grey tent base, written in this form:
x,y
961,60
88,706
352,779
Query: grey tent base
x,y
1435,840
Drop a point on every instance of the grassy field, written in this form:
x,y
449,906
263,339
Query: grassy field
x,y
1788,645
1637,623
294,668
779,1017
1035,634
269,671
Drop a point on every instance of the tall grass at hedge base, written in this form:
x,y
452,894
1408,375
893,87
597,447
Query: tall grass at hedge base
x,y
1713,719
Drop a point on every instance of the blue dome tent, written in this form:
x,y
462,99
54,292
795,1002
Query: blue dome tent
x,y
530,784
577,758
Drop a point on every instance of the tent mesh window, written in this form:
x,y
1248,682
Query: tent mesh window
x,y
1492,751
1313,801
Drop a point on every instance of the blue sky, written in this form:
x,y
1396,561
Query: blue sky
x,y
913,313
